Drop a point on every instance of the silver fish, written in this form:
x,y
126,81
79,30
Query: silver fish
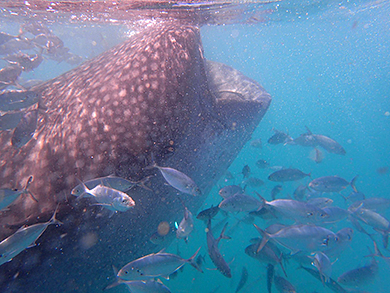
x,y
24,238
214,253
376,204
344,237
110,198
179,180
279,137
241,203
335,214
16,100
243,279
283,286
269,254
8,196
307,238
329,144
373,219
207,214
10,120
230,190
297,210
331,184
332,284
147,286
287,175
359,276
320,202
114,182
154,265
252,182
324,266
186,225
25,129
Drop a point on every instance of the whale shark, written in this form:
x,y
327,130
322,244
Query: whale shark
x,y
152,99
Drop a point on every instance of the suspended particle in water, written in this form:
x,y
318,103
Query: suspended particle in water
x,y
163,228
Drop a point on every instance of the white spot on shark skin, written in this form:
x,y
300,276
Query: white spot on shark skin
x,y
122,93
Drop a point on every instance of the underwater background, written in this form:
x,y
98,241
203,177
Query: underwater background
x,y
326,65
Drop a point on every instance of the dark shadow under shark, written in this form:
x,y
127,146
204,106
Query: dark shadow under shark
x,y
152,98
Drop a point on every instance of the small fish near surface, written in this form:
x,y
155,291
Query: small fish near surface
x,y
25,61
331,184
16,100
23,238
110,198
287,175
10,120
214,253
179,180
8,196
9,75
25,129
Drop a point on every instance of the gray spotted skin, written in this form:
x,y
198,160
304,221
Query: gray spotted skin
x,y
104,109
106,117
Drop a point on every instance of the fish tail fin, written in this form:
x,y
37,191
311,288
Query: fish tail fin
x,y
85,189
353,183
142,182
261,198
308,130
116,282
53,219
192,261
281,264
222,235
264,240
25,189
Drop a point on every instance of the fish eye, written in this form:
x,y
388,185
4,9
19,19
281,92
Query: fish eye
x,y
309,214
126,272
322,215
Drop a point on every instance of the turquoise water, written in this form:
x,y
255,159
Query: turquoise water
x,y
327,67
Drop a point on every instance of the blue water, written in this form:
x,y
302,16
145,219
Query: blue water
x,y
326,66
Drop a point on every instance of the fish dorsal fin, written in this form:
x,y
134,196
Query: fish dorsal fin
x,y
308,130
162,250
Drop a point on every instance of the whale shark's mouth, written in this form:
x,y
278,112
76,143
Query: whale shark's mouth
x,y
152,98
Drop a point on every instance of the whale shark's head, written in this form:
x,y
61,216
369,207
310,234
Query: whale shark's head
x,y
153,98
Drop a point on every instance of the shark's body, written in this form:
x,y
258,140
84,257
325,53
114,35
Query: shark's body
x,y
151,98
